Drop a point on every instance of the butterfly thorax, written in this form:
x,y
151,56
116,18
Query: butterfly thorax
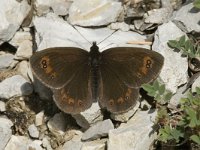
x,y
94,59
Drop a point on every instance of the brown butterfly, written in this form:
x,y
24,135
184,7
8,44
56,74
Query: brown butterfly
x,y
112,77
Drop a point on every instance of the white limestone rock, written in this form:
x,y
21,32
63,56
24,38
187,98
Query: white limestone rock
x,y
100,129
89,117
33,131
6,60
171,74
94,145
6,132
24,50
18,143
39,118
10,20
15,86
135,134
187,18
74,144
57,124
59,7
158,16
20,37
2,106
124,117
94,12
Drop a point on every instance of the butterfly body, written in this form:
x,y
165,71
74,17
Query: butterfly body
x,y
112,77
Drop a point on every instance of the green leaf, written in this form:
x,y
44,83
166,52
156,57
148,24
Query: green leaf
x,y
196,3
187,45
195,139
162,89
172,43
168,96
147,87
156,85
152,93
198,90
192,117
176,134
182,41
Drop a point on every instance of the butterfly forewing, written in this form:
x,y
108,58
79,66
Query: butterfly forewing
x,y
134,66
55,67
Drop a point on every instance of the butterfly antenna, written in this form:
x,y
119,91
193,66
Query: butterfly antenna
x,y
81,34
107,37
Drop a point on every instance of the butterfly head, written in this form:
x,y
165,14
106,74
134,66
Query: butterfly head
x,y
94,49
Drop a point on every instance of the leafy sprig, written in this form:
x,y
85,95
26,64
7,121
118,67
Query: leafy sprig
x,y
196,4
175,127
186,46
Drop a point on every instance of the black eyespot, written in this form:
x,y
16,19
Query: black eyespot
x,y
148,64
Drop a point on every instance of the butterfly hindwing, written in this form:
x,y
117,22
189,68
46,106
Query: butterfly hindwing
x,y
76,95
115,95
54,67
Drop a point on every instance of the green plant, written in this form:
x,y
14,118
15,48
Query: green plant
x,y
186,46
190,107
158,91
184,125
196,4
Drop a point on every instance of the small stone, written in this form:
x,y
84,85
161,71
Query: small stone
x,y
119,25
20,37
24,51
35,145
10,22
136,134
2,106
39,118
94,12
60,7
94,145
90,116
33,131
100,129
196,84
46,144
187,18
124,117
15,86
23,68
18,143
5,61
158,16
44,92
57,124
6,132
74,144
